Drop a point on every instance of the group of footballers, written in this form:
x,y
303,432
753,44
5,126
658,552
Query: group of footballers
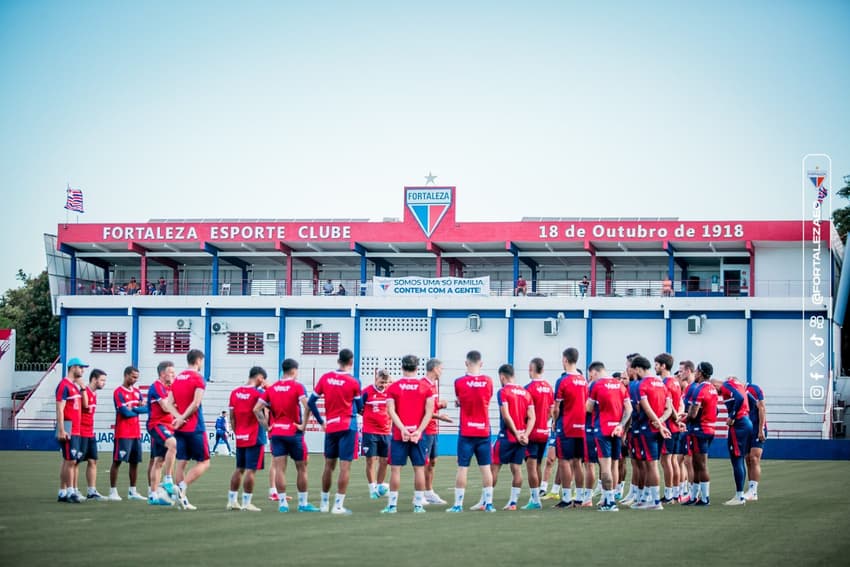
x,y
174,421
591,424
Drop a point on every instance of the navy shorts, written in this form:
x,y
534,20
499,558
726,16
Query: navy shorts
x,y
507,452
88,449
341,445
590,452
469,446
290,446
127,451
250,458
536,450
682,449
671,446
159,435
192,446
754,440
400,451
569,448
608,446
432,449
375,445
699,443
70,448
650,445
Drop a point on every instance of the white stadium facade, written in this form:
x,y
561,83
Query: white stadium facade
x,y
755,298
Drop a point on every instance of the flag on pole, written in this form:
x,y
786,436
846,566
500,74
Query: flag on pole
x,y
74,201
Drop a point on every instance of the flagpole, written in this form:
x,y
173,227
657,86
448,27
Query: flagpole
x,y
67,212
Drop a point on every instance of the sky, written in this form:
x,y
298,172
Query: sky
x,y
283,109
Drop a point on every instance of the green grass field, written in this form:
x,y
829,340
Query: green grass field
x,y
801,518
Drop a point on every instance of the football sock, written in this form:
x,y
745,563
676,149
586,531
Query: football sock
x,y
62,492
544,485
326,496
167,479
92,490
246,498
418,497
232,495
281,497
272,491
739,494
703,488
339,500
302,498
373,487
654,494
567,495
113,490
459,492
535,494
754,486
132,490
515,491
487,492
393,499
182,484
556,489
694,490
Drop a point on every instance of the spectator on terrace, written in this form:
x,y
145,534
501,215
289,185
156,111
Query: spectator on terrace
x,y
132,287
521,286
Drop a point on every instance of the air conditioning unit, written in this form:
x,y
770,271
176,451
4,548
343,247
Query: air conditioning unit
x,y
550,327
474,322
184,324
694,324
270,337
218,328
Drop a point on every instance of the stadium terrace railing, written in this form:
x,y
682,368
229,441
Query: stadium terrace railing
x,y
543,288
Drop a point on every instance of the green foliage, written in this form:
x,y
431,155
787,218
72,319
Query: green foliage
x,y
27,310
841,217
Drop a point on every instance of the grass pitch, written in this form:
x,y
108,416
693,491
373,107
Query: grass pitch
x,y
802,518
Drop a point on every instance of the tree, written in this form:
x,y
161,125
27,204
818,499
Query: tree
x,y
841,217
27,309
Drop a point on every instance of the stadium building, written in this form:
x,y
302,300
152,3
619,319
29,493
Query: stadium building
x,y
753,297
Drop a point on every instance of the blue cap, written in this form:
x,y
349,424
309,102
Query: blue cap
x,y
77,362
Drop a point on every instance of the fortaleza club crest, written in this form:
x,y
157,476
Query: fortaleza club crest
x,y
817,178
428,206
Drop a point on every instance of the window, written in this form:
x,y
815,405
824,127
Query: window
x,y
171,342
108,341
244,343
317,342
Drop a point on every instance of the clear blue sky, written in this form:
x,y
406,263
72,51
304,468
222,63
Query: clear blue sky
x,y
327,109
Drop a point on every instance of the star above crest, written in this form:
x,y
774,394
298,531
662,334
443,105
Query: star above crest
x,y
429,179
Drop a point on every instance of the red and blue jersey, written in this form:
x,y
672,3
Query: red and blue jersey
x,y
757,396
706,419
517,400
126,419
473,394
246,427
734,396
609,396
376,419
675,391
157,416
87,414
409,395
638,417
433,427
543,398
183,390
653,390
571,395
68,392
342,400
283,399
